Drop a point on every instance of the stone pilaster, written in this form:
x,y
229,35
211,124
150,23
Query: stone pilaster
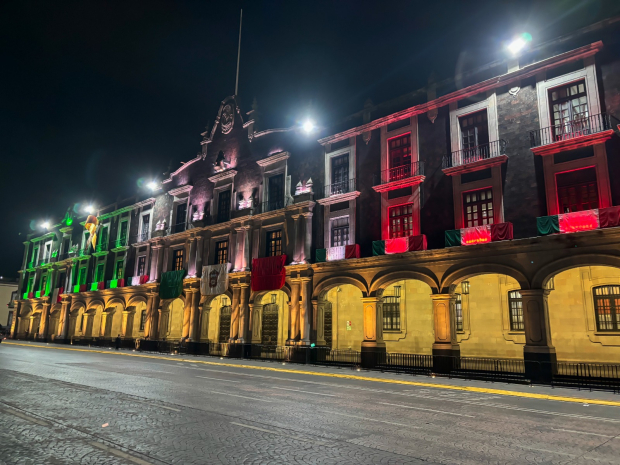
x,y
44,323
305,312
194,317
234,315
65,307
538,344
191,265
187,312
294,312
152,316
444,322
244,316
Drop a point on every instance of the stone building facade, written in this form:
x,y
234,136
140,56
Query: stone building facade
x,y
478,220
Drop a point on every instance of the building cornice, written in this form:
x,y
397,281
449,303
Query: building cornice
x,y
180,190
280,156
222,176
126,209
339,198
489,84
183,166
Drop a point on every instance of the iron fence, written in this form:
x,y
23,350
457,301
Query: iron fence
x,y
337,188
405,363
578,127
400,173
474,154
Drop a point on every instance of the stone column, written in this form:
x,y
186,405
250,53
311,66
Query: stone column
x,y
538,352
191,266
294,312
152,316
373,347
242,250
444,319
199,250
234,315
187,312
44,323
194,317
307,238
305,312
256,310
16,312
244,317
65,307
127,323
319,312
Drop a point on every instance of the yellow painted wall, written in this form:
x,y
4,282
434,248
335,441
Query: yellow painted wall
x,y
572,316
346,306
283,313
175,319
213,330
416,319
135,330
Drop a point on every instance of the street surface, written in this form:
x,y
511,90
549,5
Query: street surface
x,y
80,407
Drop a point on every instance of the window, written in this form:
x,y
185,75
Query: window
x,y
103,239
569,110
221,252
142,320
276,192
577,190
478,207
177,259
223,206
401,221
141,265
66,245
340,174
43,283
391,311
474,130
86,236
274,243
515,306
144,232
181,217
118,270
607,308
100,268
225,313
35,255
30,283
458,307
400,150
123,233
340,231
82,276
48,252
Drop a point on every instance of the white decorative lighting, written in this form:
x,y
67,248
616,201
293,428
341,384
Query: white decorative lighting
x,y
516,45
45,225
153,185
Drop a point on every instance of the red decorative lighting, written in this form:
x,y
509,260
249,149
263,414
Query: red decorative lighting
x,y
585,220
397,245
476,235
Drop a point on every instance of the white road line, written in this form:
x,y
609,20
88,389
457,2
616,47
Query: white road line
x,y
168,408
583,432
299,390
278,433
237,395
373,419
218,379
428,410
546,450
254,427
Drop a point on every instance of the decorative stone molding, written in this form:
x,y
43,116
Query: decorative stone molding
x,y
280,156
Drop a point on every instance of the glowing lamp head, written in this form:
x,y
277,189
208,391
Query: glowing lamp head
x,y
45,225
308,126
89,209
152,185
519,43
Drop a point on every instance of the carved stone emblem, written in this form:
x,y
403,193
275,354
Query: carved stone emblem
x,y
227,119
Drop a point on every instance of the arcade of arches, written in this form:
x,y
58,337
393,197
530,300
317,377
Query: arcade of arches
x,y
576,314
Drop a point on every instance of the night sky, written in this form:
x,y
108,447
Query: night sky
x,y
96,95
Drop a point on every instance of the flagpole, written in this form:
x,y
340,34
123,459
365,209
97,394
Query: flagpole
x,y
238,54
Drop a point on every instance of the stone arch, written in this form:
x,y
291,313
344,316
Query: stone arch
x,y
77,308
340,319
132,324
383,280
270,321
114,300
134,300
111,318
257,297
549,270
211,317
328,283
207,300
452,278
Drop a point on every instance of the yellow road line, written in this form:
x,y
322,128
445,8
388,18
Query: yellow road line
x,y
501,392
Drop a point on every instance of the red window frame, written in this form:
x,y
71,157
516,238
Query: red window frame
x,y
479,207
400,218
588,187
400,151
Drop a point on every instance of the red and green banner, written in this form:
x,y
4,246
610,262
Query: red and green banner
x,y
585,220
479,234
343,252
399,245
268,273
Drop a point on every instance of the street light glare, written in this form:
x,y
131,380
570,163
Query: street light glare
x,y
308,126
152,185
516,45
45,225
89,209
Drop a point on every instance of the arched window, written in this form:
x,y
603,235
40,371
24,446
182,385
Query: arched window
x,y
515,305
607,308
225,313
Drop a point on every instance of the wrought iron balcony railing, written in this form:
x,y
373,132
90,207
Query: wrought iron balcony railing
x,y
579,127
143,236
101,247
177,228
474,154
338,188
121,242
400,173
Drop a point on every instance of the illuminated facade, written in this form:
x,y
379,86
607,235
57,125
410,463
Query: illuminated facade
x,y
480,221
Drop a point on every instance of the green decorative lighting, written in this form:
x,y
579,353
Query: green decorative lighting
x,y
76,288
37,294
69,221
25,295
114,284
93,286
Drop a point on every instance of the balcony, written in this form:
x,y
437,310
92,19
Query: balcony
x,y
177,228
400,176
101,247
339,188
581,132
143,237
121,242
475,158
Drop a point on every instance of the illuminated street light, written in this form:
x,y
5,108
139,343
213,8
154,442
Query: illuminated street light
x,y
308,126
45,225
89,209
519,43
153,185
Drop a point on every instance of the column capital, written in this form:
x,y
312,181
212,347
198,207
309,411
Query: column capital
x,y
442,296
534,292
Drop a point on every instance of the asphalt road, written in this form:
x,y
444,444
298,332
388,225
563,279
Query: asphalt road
x,y
73,407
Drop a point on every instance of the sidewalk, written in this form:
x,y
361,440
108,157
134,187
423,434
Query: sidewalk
x,y
360,375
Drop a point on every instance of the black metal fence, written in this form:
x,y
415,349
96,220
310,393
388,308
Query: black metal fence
x,y
578,127
400,173
474,154
342,187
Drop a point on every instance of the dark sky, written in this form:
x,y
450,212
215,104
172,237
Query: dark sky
x,y
95,95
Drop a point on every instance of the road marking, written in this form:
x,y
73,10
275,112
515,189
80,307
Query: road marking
x,y
219,379
168,408
119,453
546,450
293,436
237,395
428,410
374,419
583,432
503,392
306,392
23,416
